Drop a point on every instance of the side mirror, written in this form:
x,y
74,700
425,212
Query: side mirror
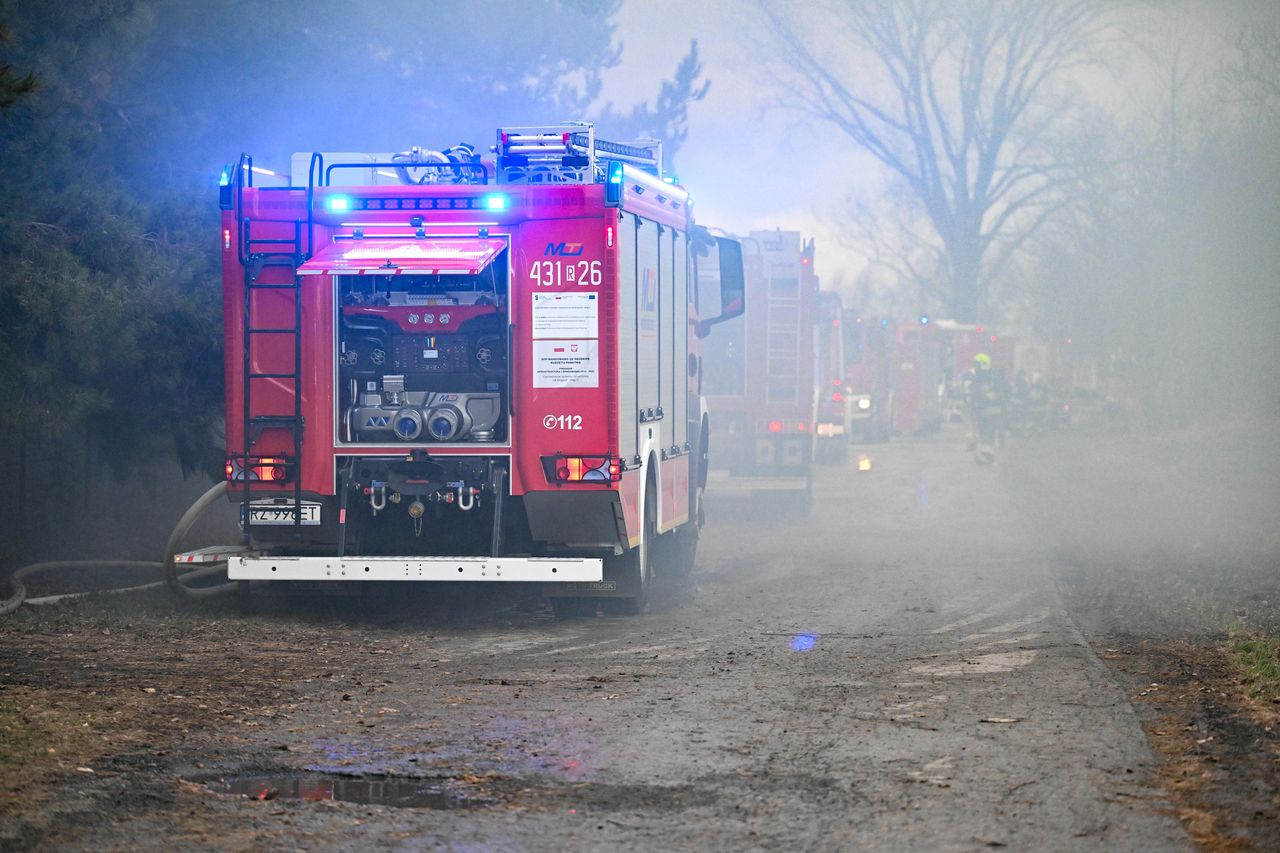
x,y
731,283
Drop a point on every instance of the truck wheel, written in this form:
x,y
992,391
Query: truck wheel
x,y
634,568
682,552
798,504
679,548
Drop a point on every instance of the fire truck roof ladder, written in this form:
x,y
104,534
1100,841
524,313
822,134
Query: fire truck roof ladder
x,y
567,153
257,254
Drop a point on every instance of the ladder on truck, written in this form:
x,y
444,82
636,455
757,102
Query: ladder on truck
x,y
256,255
567,153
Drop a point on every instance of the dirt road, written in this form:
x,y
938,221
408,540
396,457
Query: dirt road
x,y
895,672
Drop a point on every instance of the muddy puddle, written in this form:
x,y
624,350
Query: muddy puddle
x,y
376,791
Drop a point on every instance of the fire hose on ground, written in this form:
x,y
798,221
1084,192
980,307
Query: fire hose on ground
x,y
177,582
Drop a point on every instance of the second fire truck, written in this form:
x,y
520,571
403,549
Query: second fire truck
x,y
760,375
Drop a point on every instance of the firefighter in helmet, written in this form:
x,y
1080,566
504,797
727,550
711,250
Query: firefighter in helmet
x,y
986,406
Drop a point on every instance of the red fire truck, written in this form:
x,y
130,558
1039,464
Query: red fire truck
x,y
871,348
834,419
447,368
760,373
919,379
964,341
960,343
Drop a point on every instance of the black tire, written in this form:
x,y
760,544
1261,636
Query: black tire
x,y
677,551
634,568
799,504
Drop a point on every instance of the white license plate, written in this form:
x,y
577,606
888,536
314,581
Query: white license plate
x,y
269,514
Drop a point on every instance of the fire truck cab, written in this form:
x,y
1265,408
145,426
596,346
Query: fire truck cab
x,y
442,367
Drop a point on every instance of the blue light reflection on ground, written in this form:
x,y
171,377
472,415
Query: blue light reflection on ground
x,y
803,642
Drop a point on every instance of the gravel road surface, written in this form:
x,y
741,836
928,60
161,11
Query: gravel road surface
x,y
893,672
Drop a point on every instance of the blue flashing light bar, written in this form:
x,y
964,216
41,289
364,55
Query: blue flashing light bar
x,y
615,171
495,201
338,203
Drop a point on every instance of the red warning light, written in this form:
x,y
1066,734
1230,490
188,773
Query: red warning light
x,y
837,397
775,426
993,339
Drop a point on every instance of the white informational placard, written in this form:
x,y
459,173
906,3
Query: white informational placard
x,y
566,315
566,364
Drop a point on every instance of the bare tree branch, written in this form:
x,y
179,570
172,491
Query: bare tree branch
x,y
953,106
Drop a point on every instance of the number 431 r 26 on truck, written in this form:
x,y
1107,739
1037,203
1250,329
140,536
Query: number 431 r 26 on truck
x,y
442,367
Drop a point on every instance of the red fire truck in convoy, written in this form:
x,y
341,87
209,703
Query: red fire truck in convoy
x,y
441,367
760,373
919,379
834,419
960,343
871,349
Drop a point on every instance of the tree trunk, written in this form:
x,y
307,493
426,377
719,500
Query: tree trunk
x,y
966,289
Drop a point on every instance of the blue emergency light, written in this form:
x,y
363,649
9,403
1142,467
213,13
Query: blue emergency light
x,y
495,201
338,203
613,184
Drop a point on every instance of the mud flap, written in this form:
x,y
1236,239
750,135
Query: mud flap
x,y
620,581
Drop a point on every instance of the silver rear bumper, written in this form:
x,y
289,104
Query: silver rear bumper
x,y
470,569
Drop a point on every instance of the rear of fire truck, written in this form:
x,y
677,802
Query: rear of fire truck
x,y
834,418
919,379
871,356
760,375
448,368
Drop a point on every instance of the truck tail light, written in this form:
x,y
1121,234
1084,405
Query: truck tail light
x,y
268,469
582,469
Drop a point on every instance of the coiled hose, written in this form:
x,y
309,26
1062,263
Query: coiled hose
x,y
177,583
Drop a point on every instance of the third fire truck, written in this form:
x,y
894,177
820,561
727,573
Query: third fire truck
x,y
442,367
834,418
